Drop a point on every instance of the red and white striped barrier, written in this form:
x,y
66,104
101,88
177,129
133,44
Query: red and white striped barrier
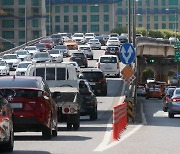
x,y
119,119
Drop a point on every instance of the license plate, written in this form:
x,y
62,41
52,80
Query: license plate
x,y
108,68
92,83
16,105
78,58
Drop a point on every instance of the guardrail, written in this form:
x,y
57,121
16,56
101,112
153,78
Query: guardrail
x,y
21,46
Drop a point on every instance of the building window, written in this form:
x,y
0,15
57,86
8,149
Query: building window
x,y
21,2
155,26
9,11
106,28
94,8
84,8
94,28
163,26
172,17
35,23
21,34
75,18
106,8
84,18
139,3
75,28
35,34
57,28
66,18
94,18
173,2
21,11
156,2
84,28
120,3
140,18
35,10
148,18
163,18
75,8
21,23
7,23
163,2
7,2
57,18
66,28
155,18
140,25
119,18
35,3
57,9
66,9
8,34
106,18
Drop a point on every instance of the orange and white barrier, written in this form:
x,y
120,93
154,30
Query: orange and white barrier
x,y
119,119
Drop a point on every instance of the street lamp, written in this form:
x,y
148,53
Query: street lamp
x,y
25,22
147,17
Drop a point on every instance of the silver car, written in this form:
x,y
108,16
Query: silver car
x,y
41,57
94,44
174,104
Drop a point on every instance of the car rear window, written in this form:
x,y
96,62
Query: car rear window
x,y
93,75
108,60
78,54
112,48
178,91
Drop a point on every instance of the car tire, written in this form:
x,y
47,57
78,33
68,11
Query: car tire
x,y
170,115
93,115
8,147
69,126
164,109
118,75
86,66
76,126
47,132
55,131
91,58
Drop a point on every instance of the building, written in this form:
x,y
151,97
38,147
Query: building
x,y
21,21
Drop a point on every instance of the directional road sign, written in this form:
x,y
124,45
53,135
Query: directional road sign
x,y
127,53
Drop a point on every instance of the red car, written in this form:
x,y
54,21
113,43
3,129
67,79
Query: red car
x,y
48,43
6,126
32,103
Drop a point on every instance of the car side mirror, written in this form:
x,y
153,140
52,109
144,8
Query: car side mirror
x,y
56,94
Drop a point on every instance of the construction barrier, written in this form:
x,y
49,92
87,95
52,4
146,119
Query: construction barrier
x,y
119,119
131,111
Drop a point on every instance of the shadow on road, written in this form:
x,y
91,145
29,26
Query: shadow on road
x,y
30,152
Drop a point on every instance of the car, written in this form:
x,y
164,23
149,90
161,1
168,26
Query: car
x,y
63,35
22,68
167,98
87,51
89,104
139,35
154,92
33,106
6,125
80,58
114,35
12,60
123,38
47,42
79,38
96,79
32,49
75,64
64,49
41,47
41,57
56,55
71,44
112,50
23,55
113,41
94,44
101,40
141,90
150,80
4,68
173,39
173,103
109,64
106,37
57,39
89,36
167,87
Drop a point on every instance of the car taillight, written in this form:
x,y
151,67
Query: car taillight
x,y
102,80
99,65
66,110
70,58
117,65
167,99
106,52
176,99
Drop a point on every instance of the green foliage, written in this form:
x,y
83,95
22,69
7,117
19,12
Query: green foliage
x,y
120,30
141,30
147,73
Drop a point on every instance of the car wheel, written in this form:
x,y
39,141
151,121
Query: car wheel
x,y
91,58
69,126
47,132
8,147
93,115
55,131
118,75
76,126
86,66
170,115
164,109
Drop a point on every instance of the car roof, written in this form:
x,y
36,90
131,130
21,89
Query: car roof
x,y
108,56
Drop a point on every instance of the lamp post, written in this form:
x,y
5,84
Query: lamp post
x,y
146,17
113,15
49,17
25,22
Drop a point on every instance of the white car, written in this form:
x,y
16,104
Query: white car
x,y
150,80
12,60
56,55
75,64
4,68
109,64
94,44
89,36
22,68
79,38
23,54
32,49
113,41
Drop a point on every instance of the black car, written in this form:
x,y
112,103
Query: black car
x,y
89,104
112,50
6,126
101,40
96,79
57,39
80,58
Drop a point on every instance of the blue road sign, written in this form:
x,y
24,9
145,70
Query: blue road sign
x,y
127,53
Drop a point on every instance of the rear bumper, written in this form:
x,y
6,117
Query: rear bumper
x,y
174,108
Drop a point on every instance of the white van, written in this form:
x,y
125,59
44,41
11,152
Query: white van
x,y
109,64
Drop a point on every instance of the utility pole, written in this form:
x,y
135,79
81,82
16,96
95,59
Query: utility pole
x,y
129,21
25,22
146,17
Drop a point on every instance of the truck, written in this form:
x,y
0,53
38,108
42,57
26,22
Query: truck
x,y
62,81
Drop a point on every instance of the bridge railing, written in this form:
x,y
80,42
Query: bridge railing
x,y
32,42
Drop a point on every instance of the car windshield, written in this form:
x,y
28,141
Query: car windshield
x,y
108,60
94,40
177,91
2,63
60,47
78,54
53,51
41,55
9,57
23,65
21,52
55,36
99,37
40,46
84,48
30,48
78,35
170,92
92,75
89,34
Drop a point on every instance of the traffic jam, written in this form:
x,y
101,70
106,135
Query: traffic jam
x,y
51,82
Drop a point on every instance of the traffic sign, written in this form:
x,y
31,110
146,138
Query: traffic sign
x,y
177,44
177,55
127,53
128,74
